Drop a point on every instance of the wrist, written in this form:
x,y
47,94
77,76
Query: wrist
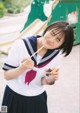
x,y
22,68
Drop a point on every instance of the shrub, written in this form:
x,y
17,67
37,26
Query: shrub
x,y
13,6
3,10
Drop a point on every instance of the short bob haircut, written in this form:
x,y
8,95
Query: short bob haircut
x,y
63,28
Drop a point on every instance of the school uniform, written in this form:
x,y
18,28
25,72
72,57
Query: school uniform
x,y
26,94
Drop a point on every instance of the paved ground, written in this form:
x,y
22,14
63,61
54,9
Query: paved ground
x,y
63,97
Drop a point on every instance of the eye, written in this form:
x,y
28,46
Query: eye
x,y
52,33
57,39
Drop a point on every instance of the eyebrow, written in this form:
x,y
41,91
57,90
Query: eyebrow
x,y
59,33
56,31
53,33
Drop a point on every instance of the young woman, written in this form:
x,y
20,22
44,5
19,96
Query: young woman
x,y
26,75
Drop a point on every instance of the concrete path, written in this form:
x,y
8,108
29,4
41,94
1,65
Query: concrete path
x,y
63,97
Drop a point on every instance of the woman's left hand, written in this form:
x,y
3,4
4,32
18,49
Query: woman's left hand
x,y
51,78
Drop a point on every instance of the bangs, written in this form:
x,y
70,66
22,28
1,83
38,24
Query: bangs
x,y
58,31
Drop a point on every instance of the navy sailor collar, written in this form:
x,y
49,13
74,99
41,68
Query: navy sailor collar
x,y
31,45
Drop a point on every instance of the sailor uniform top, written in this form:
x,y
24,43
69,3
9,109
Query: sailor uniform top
x,y
29,82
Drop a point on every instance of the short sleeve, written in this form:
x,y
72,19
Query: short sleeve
x,y
12,61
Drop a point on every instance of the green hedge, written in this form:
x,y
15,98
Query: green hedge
x,y
13,6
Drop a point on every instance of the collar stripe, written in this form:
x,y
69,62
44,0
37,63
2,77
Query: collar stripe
x,y
31,49
48,57
31,44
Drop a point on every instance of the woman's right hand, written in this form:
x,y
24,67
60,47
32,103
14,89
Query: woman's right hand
x,y
27,63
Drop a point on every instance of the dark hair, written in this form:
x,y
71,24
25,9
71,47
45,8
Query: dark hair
x,y
65,29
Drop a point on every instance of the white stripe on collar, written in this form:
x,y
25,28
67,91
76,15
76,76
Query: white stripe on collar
x,y
31,49
35,57
48,57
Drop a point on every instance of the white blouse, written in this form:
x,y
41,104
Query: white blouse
x,y
17,53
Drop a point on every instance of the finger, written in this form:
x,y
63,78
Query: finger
x,y
56,77
23,60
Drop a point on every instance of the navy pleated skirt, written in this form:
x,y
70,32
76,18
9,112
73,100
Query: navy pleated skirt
x,y
17,103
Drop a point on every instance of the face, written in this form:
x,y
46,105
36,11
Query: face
x,y
52,40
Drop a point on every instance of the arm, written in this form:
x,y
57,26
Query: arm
x,y
12,66
13,73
